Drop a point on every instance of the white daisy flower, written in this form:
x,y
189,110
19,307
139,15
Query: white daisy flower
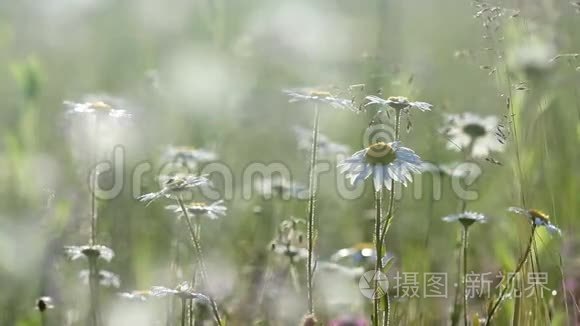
x,y
44,303
454,169
398,103
325,97
188,156
100,251
106,278
174,186
537,217
386,162
135,295
278,186
294,253
183,290
469,131
213,211
466,218
97,108
326,147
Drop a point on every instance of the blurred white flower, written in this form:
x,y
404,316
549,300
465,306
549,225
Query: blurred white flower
x,y
188,156
537,217
386,162
106,278
398,103
43,303
466,218
213,211
280,187
174,186
475,134
135,295
98,108
99,251
325,97
326,147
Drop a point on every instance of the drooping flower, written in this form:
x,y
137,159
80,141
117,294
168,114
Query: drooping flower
x,y
398,103
465,218
538,218
325,97
470,132
174,186
213,211
100,251
99,108
386,162
106,278
326,147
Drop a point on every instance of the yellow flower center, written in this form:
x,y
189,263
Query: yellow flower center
x,y
474,130
100,105
319,93
398,102
534,213
380,153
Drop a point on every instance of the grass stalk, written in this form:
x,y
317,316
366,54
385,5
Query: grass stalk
x,y
521,263
378,248
311,207
195,242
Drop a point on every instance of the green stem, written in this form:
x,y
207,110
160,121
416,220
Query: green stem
x,y
521,263
378,249
93,291
195,242
183,311
465,235
311,206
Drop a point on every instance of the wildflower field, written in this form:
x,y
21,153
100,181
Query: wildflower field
x,y
381,162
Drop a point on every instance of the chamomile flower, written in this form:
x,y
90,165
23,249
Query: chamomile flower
x,y
465,218
213,211
325,97
454,169
106,278
326,147
98,108
468,131
289,241
398,103
278,186
100,251
135,295
183,290
43,303
362,253
386,162
188,156
537,217
174,186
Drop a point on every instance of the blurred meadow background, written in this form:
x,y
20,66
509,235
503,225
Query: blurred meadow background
x,y
211,75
